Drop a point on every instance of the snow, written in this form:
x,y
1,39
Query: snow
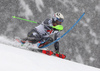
x,y
39,4
76,9
27,9
97,7
16,59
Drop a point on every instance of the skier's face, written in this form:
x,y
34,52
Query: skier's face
x,y
57,23
54,24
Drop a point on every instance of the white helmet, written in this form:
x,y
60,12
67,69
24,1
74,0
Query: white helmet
x,y
58,17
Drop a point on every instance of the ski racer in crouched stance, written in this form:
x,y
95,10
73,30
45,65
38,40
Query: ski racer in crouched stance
x,y
42,32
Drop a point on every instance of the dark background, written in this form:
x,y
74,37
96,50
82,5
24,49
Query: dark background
x,y
81,44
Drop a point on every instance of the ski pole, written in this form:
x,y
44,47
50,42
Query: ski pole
x,y
24,19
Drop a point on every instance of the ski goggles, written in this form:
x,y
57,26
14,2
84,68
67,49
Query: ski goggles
x,y
60,20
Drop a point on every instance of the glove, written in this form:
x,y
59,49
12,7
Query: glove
x,y
58,27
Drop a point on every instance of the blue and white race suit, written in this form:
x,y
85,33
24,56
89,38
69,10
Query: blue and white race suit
x,y
43,31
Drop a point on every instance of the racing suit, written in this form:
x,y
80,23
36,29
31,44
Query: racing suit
x,y
42,32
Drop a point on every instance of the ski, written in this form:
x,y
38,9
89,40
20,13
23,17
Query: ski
x,y
22,43
39,44
49,52
19,41
60,55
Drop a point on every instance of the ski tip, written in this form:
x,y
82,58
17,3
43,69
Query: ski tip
x,y
18,40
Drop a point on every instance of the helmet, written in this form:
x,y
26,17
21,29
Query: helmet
x,y
58,17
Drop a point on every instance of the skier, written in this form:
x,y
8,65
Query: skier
x,y
42,32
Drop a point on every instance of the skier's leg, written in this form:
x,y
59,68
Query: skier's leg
x,y
56,45
49,39
45,41
33,37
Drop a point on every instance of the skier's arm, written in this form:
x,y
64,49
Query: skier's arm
x,y
47,24
56,44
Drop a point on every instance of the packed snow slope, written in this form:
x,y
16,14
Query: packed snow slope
x,y
15,59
